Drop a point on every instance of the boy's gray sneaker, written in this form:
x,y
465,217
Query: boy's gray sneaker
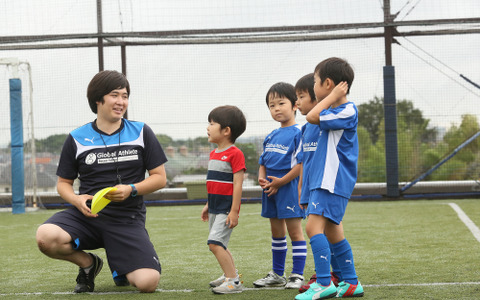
x,y
229,286
295,281
86,281
221,279
218,281
272,279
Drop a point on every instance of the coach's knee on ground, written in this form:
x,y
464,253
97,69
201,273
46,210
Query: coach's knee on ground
x,y
145,280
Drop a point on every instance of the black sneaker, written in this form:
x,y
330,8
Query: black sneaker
x,y
86,282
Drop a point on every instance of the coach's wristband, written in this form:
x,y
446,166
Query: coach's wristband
x,y
134,190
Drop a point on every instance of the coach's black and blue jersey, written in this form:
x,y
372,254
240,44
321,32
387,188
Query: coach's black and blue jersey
x,y
94,157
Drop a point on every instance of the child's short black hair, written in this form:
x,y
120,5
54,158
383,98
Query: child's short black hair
x,y
229,116
282,89
336,69
305,84
102,84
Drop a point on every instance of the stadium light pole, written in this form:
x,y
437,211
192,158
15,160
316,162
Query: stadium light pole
x,y
390,106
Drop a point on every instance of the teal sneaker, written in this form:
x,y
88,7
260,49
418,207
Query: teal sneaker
x,y
345,290
317,291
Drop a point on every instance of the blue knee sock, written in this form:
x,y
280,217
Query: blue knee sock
x,y
321,257
344,255
299,256
279,253
333,262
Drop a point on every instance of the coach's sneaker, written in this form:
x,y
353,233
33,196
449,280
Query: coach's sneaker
x,y
86,281
294,281
317,291
305,287
272,279
345,290
221,279
229,286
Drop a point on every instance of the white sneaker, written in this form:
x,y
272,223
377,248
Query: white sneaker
x,y
221,279
229,286
218,281
295,281
272,279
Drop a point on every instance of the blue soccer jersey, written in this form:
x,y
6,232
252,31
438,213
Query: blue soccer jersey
x,y
282,149
334,166
310,134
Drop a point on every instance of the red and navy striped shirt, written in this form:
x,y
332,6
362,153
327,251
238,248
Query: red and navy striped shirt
x,y
221,167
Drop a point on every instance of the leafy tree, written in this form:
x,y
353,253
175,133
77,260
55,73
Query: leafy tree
x,y
251,157
371,115
52,144
164,140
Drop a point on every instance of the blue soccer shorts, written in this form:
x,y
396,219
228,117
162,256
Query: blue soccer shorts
x,y
324,203
284,204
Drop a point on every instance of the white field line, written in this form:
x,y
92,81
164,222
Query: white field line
x,y
467,221
94,293
245,289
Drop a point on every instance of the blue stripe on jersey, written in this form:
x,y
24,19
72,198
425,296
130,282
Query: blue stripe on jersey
x,y
219,176
87,138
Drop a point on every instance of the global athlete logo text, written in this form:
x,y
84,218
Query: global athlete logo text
x,y
111,157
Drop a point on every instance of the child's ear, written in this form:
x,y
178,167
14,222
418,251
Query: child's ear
x,y
329,84
228,131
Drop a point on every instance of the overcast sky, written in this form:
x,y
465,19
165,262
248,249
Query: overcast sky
x,y
175,87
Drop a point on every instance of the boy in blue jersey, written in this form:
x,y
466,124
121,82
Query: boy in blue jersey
x,y
278,174
226,169
306,101
332,177
110,151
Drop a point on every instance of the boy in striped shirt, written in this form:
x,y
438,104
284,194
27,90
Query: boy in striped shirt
x,y
226,168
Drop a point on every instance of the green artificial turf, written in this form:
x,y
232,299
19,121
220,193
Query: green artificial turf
x,y
402,250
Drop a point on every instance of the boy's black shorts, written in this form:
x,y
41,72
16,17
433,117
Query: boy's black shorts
x,y
126,241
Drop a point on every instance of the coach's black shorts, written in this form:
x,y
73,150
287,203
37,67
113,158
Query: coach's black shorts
x,y
126,241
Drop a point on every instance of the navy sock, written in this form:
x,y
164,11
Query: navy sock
x,y
344,255
299,256
279,254
333,262
321,257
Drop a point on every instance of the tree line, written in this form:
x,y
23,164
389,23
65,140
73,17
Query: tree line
x,y
419,145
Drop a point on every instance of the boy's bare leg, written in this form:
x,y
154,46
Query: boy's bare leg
x,y
278,227
225,259
294,228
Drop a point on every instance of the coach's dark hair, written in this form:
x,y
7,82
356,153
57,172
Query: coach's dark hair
x,y
337,70
305,84
229,116
282,89
102,84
